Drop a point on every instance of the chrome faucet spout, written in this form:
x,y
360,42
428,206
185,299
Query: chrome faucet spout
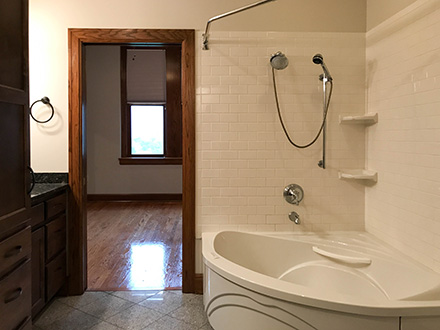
x,y
294,217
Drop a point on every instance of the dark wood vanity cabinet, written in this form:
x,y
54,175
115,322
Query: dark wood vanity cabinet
x,y
15,232
15,280
49,274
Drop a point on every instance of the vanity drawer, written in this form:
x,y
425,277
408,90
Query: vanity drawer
x,y
37,215
15,248
55,275
55,237
15,297
55,206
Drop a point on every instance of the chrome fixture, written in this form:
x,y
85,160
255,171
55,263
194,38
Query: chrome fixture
x,y
279,61
293,194
294,217
319,59
325,77
229,13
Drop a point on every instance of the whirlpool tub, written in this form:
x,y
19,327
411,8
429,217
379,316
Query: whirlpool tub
x,y
338,281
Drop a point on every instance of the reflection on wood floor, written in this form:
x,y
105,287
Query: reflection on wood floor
x,y
134,245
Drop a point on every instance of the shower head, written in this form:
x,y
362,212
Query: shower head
x,y
319,59
279,61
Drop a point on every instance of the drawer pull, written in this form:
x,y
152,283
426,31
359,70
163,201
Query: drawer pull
x,y
58,231
15,295
14,251
59,268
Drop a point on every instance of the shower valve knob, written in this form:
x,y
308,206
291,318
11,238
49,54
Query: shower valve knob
x,y
293,194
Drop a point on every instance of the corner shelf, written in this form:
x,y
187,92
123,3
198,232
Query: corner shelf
x,y
358,175
367,119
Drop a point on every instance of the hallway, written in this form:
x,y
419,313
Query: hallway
x,y
134,245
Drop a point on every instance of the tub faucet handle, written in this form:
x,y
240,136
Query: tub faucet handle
x,y
293,194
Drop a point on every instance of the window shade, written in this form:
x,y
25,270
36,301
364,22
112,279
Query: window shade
x,y
146,75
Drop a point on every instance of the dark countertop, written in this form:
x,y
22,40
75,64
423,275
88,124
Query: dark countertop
x,y
43,191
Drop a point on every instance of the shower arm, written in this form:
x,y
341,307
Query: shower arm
x,y
229,13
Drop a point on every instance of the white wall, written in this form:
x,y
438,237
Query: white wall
x,y
50,19
403,74
243,158
103,111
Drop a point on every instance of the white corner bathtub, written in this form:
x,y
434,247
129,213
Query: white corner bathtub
x,y
338,281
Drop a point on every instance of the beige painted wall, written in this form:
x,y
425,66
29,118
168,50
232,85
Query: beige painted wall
x,y
380,10
50,19
104,174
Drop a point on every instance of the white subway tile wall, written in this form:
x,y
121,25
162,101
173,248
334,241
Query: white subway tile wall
x,y
403,75
244,161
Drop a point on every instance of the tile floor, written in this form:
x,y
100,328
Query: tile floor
x,y
133,310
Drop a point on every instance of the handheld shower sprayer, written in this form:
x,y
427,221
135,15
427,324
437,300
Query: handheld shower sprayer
x,y
319,59
279,61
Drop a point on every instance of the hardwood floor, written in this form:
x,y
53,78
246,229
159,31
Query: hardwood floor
x,y
134,245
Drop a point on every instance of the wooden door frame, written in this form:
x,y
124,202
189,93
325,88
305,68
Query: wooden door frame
x,y
78,38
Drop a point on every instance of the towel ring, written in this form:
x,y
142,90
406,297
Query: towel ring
x,y
45,100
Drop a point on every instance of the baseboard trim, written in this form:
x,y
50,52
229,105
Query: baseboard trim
x,y
134,197
198,283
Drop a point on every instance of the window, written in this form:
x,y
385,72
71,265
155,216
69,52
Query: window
x,y
147,130
151,131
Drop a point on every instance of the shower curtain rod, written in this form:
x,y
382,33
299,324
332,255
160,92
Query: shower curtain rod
x,y
229,13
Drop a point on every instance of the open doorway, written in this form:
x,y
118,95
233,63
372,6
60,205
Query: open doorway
x,y
134,169
78,39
